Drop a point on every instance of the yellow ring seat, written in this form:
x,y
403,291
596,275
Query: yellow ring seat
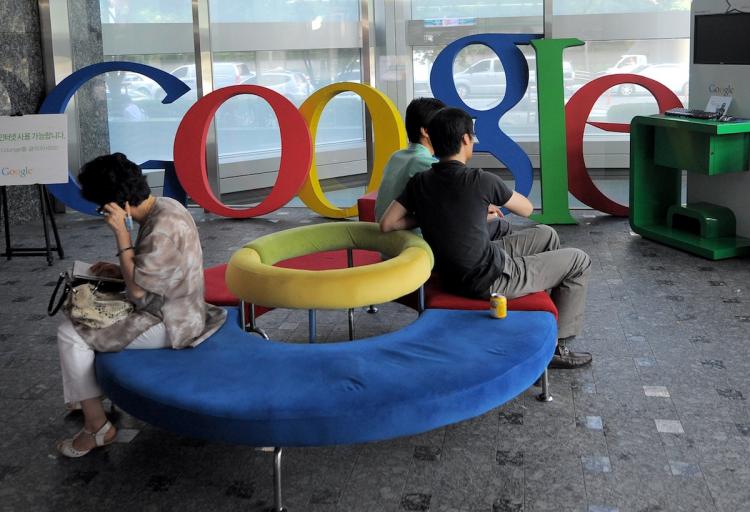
x,y
252,277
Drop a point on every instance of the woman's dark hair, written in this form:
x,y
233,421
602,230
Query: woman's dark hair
x,y
113,179
447,129
418,115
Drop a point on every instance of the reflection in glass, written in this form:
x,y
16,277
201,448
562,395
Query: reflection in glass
x,y
563,7
424,9
480,82
140,125
146,11
665,61
265,11
248,128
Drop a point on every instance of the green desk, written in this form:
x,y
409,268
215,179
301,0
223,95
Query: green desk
x,y
660,148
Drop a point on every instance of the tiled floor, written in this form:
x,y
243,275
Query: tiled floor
x,y
660,421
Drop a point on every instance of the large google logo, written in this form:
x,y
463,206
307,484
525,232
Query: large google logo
x,y
561,128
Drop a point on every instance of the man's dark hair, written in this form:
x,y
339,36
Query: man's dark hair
x,y
418,115
446,130
113,179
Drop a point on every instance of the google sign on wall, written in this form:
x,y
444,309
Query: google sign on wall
x,y
33,149
561,129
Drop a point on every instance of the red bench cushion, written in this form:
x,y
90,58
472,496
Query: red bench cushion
x,y
437,298
217,293
366,207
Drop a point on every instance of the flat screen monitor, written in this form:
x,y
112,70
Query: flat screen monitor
x,y
721,39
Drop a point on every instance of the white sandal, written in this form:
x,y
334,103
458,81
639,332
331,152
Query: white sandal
x,y
66,448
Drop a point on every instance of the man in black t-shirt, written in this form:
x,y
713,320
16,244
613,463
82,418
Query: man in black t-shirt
x,y
450,201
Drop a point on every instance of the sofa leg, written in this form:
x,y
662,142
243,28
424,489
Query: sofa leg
x,y
351,324
372,309
312,325
545,395
277,505
250,326
243,316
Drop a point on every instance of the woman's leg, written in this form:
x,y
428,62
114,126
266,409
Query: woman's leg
x,y
77,365
79,377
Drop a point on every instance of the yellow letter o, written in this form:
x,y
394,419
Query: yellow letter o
x,y
388,132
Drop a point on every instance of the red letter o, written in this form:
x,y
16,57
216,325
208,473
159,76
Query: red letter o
x,y
190,151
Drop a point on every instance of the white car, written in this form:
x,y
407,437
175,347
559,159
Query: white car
x,y
135,83
674,76
486,77
225,73
293,85
628,64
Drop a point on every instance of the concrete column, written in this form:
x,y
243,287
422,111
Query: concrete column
x,y
21,85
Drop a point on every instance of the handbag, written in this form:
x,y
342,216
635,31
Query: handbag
x,y
89,303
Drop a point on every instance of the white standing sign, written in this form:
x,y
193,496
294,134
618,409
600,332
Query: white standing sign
x,y
33,149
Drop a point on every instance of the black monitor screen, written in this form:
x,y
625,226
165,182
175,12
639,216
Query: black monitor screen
x,y
721,39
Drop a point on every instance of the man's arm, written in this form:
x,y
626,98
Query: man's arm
x,y
396,217
519,205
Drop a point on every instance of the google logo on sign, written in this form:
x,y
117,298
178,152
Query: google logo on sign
x,y
561,130
21,173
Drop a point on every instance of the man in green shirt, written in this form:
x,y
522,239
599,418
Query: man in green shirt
x,y
417,157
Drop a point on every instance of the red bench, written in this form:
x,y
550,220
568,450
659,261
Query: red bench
x,y
366,207
435,297
217,293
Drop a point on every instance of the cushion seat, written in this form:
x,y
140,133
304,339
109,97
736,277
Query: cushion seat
x,y
252,275
216,291
436,297
445,367
366,206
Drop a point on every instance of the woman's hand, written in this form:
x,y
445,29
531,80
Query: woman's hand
x,y
106,269
114,216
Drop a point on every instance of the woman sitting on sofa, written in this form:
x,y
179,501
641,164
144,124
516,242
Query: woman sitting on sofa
x,y
163,274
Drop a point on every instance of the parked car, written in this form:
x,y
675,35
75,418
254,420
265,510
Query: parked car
x,y
629,63
224,74
352,72
250,110
293,85
673,75
486,77
139,84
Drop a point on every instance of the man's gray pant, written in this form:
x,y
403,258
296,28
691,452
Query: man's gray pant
x,y
535,263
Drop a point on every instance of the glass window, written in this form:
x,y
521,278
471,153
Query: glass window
x,y
264,11
424,9
563,7
140,125
480,82
480,67
181,72
146,11
247,126
665,61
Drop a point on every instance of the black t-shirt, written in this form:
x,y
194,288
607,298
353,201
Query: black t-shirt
x,y
450,204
